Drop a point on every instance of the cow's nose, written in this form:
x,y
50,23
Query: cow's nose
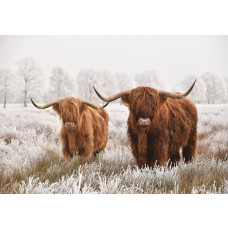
x,y
69,124
144,121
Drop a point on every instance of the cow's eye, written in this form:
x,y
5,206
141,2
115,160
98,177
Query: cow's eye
x,y
137,117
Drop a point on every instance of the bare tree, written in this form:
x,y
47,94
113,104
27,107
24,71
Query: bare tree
x,y
108,82
198,94
226,81
124,81
6,85
149,78
85,80
216,88
61,84
102,80
30,73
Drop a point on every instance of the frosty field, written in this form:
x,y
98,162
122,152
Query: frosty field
x,y
31,159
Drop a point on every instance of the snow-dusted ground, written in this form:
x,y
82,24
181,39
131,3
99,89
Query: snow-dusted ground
x,y
31,161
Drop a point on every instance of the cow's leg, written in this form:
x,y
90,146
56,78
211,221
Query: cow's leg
x,y
72,143
98,152
66,154
134,144
65,148
134,150
142,149
189,151
174,154
87,152
86,155
174,159
159,156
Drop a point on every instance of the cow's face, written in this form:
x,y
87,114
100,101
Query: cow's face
x,y
143,103
69,111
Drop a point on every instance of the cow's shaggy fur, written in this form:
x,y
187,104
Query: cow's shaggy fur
x,y
89,133
173,126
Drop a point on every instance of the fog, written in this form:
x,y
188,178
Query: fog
x,y
172,57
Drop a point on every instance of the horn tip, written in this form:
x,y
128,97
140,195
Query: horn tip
x,y
194,82
94,88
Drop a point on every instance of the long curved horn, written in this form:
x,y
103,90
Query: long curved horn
x,y
174,95
94,106
113,97
44,106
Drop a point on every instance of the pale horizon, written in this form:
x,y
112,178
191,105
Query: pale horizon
x,y
171,57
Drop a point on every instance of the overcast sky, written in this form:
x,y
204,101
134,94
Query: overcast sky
x,y
172,57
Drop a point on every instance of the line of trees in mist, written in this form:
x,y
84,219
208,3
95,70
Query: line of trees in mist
x,y
27,81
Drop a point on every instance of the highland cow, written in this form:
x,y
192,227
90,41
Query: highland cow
x,y
84,128
160,123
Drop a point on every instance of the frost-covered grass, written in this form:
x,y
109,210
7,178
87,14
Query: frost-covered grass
x,y
31,161
213,131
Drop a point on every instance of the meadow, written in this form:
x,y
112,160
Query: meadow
x,y
31,159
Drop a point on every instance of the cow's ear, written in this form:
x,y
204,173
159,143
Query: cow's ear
x,y
55,107
162,99
125,100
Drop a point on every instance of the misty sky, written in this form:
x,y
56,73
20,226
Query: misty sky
x,y
172,57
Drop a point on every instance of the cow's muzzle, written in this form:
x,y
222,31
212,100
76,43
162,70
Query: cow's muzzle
x,y
144,122
69,124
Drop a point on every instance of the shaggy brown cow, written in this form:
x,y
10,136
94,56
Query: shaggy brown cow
x,y
84,129
159,124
